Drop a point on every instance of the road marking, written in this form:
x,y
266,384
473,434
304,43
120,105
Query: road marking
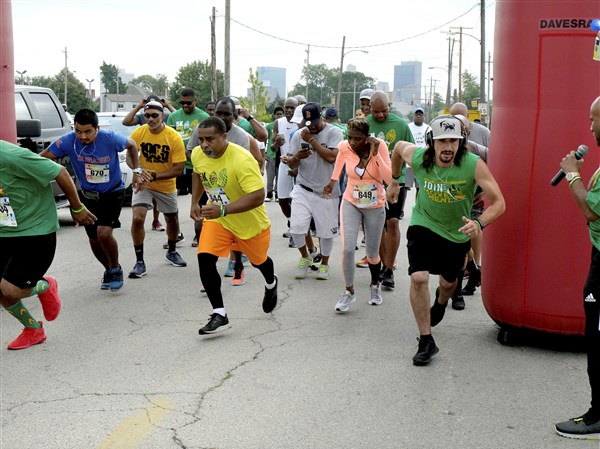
x,y
134,429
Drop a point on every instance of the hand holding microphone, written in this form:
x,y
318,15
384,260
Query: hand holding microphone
x,y
581,151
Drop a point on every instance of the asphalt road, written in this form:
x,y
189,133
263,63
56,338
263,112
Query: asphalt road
x,y
128,370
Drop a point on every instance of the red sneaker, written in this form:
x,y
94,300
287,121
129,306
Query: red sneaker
x,y
29,337
238,279
50,300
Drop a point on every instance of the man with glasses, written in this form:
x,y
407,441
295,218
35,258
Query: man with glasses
x,y
162,156
184,120
94,155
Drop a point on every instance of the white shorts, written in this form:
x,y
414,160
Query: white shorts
x,y
307,205
285,183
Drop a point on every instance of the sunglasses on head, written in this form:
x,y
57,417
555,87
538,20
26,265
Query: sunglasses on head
x,y
155,115
185,103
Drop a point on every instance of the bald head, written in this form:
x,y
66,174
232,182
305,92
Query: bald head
x,y
465,123
379,96
459,109
380,109
595,118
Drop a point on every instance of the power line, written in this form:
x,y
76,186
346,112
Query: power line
x,y
363,46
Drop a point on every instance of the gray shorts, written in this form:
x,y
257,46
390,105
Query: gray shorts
x,y
165,202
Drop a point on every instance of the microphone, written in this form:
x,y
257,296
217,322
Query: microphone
x,y
581,151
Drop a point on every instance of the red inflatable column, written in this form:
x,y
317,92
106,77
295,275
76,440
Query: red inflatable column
x,y
8,129
535,258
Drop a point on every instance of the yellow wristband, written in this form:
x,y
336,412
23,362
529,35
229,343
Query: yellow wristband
x,y
573,180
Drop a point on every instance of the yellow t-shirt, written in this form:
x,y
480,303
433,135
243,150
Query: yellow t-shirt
x,y
227,179
159,152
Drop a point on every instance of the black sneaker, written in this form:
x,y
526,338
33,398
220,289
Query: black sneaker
x,y
175,259
178,243
381,272
216,323
105,284
577,428
473,282
427,350
388,279
270,298
437,310
458,301
138,271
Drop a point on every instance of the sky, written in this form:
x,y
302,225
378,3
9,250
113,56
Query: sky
x,y
159,37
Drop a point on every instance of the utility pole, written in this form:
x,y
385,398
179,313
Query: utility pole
x,y
339,92
213,56
227,47
66,76
482,55
460,60
307,64
450,52
90,91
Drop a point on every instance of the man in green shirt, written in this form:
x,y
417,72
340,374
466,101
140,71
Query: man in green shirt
x,y
272,164
184,120
440,232
28,225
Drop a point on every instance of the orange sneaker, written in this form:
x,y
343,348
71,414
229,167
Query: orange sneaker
x,y
238,278
50,300
29,337
363,263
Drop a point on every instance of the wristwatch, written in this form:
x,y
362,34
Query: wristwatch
x,y
250,118
137,171
571,175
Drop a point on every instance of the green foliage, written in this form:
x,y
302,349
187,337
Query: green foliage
x,y
323,85
470,89
109,74
198,76
157,85
256,101
76,91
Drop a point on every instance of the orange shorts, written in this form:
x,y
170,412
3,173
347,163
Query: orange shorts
x,y
216,240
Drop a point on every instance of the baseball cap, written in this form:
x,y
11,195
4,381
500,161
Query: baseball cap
x,y
446,127
331,112
236,101
419,109
153,97
366,93
311,114
154,105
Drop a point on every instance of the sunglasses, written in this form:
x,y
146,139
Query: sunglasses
x,y
223,113
155,115
185,103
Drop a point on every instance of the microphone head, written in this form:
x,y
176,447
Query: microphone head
x,y
583,149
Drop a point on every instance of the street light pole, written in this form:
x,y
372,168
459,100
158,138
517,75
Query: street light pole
x,y
339,93
90,91
66,75
21,74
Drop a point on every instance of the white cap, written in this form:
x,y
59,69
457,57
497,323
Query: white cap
x,y
446,127
297,118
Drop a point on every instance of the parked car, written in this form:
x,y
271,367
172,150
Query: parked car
x,y
113,120
41,120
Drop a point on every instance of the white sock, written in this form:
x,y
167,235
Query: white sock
x,y
220,311
271,286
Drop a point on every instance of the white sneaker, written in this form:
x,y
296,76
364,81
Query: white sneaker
x,y
344,303
376,297
303,267
323,273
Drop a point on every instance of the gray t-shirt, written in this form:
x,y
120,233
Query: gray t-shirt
x,y
314,172
235,135
480,134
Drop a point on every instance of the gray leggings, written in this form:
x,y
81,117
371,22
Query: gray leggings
x,y
374,219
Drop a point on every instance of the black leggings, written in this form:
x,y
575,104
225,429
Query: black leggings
x,y
591,307
211,280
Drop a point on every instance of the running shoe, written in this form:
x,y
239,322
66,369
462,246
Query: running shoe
x,y
29,337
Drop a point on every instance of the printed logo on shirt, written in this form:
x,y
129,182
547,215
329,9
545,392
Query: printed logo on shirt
x,y
590,298
444,191
155,152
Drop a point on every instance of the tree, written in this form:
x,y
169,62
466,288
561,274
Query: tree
x,y
470,89
198,76
323,84
157,85
108,75
256,101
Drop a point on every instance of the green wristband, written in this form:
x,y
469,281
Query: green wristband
x,y
78,210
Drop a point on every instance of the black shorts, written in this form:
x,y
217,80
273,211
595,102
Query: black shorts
x,y
428,251
25,260
106,207
394,210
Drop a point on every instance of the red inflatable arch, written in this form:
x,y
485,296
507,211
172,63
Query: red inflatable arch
x,y
535,258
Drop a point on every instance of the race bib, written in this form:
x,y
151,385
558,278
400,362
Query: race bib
x,y
365,195
7,214
96,173
217,195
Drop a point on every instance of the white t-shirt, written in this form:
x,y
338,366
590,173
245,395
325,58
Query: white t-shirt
x,y
419,132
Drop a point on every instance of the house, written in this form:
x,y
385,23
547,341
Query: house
x,y
123,101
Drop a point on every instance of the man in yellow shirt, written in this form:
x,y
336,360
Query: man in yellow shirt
x,y
234,217
162,157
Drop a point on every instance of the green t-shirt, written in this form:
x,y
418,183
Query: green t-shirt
x,y
593,200
184,124
247,126
445,196
270,153
342,127
393,130
27,204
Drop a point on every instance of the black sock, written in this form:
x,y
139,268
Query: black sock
x,y
139,252
267,268
375,269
